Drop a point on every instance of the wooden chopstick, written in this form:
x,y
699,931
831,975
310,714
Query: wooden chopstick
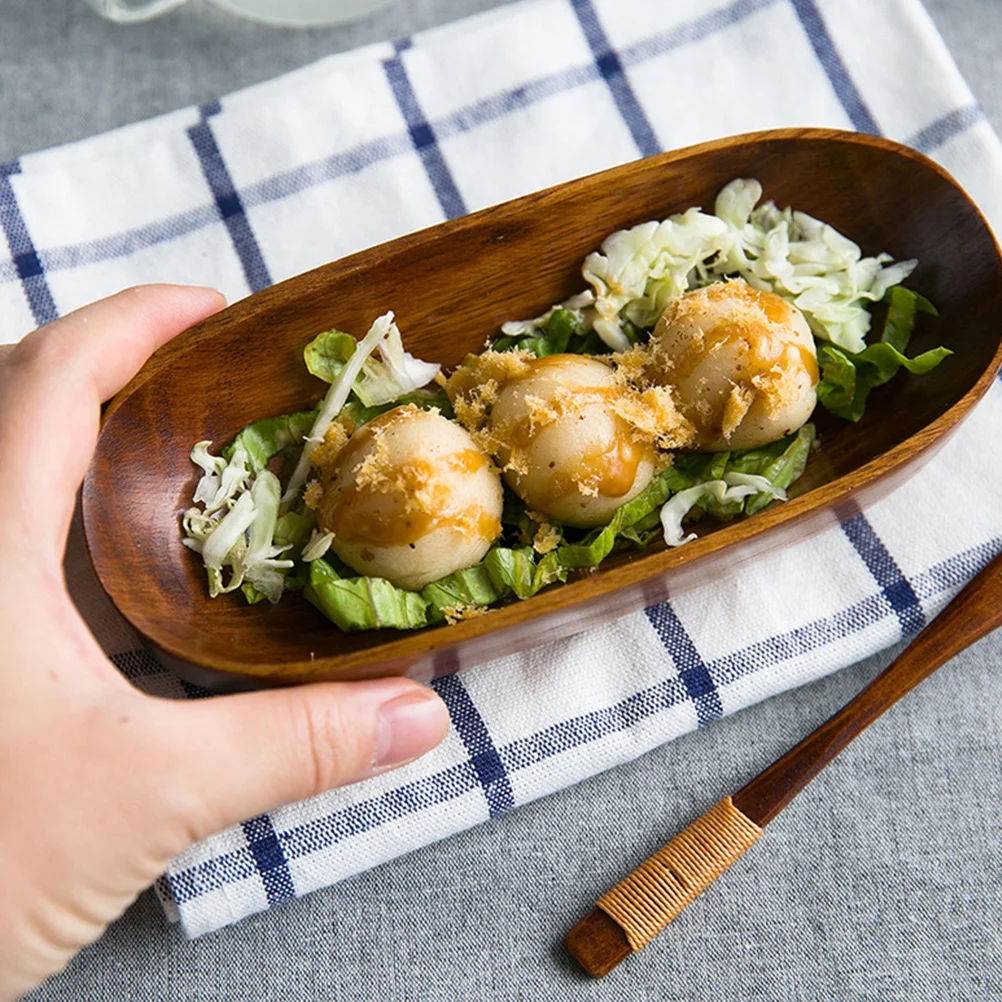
x,y
643,903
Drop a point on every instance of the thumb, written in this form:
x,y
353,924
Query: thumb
x,y
238,756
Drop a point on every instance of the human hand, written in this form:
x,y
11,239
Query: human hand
x,y
101,785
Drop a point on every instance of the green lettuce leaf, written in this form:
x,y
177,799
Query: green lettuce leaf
x,y
781,463
837,385
706,467
363,603
471,587
562,332
294,528
599,543
386,374
644,532
251,593
563,324
519,527
425,399
263,440
902,305
847,378
327,353
517,570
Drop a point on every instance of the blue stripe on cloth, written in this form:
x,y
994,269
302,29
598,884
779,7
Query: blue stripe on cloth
x,y
330,168
476,738
688,32
490,109
269,859
802,640
945,128
423,138
690,666
356,819
318,833
303,177
27,264
566,735
896,588
228,201
956,571
831,61
611,69
227,868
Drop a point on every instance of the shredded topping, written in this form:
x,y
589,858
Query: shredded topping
x,y
547,538
334,440
457,613
313,494
473,387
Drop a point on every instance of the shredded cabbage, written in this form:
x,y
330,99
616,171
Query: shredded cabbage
x,y
317,545
576,304
784,251
335,399
395,372
235,527
236,531
806,261
639,269
733,487
383,379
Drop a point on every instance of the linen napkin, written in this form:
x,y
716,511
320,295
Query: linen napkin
x,y
362,147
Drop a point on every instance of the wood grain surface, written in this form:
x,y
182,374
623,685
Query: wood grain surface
x,y
451,287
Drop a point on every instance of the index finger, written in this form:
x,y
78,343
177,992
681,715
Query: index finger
x,y
51,388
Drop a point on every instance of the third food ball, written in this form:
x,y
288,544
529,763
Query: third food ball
x,y
742,363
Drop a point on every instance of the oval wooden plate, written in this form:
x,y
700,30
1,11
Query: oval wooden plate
x,y
452,286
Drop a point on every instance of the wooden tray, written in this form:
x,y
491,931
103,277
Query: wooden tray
x,y
452,286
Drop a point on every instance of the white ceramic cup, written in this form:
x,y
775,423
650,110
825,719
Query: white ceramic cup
x,y
284,12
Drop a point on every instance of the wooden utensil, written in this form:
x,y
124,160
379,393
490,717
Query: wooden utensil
x,y
641,905
452,286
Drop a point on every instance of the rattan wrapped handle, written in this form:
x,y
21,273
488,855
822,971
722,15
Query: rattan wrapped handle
x,y
630,915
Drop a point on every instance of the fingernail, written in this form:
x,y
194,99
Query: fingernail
x,y
409,725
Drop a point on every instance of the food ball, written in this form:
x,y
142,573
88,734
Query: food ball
x,y
411,498
742,363
562,447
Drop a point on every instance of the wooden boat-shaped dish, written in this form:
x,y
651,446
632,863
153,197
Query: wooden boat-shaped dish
x,y
452,286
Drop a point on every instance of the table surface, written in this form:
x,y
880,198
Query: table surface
x,y
881,881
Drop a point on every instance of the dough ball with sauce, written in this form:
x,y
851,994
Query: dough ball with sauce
x,y
411,498
742,363
562,447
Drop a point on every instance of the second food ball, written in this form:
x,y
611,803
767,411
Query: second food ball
x,y
562,447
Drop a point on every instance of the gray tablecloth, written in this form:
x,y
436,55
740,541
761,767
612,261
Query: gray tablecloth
x,y
882,881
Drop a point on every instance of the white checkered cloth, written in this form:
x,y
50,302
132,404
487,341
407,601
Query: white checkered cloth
x,y
363,147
